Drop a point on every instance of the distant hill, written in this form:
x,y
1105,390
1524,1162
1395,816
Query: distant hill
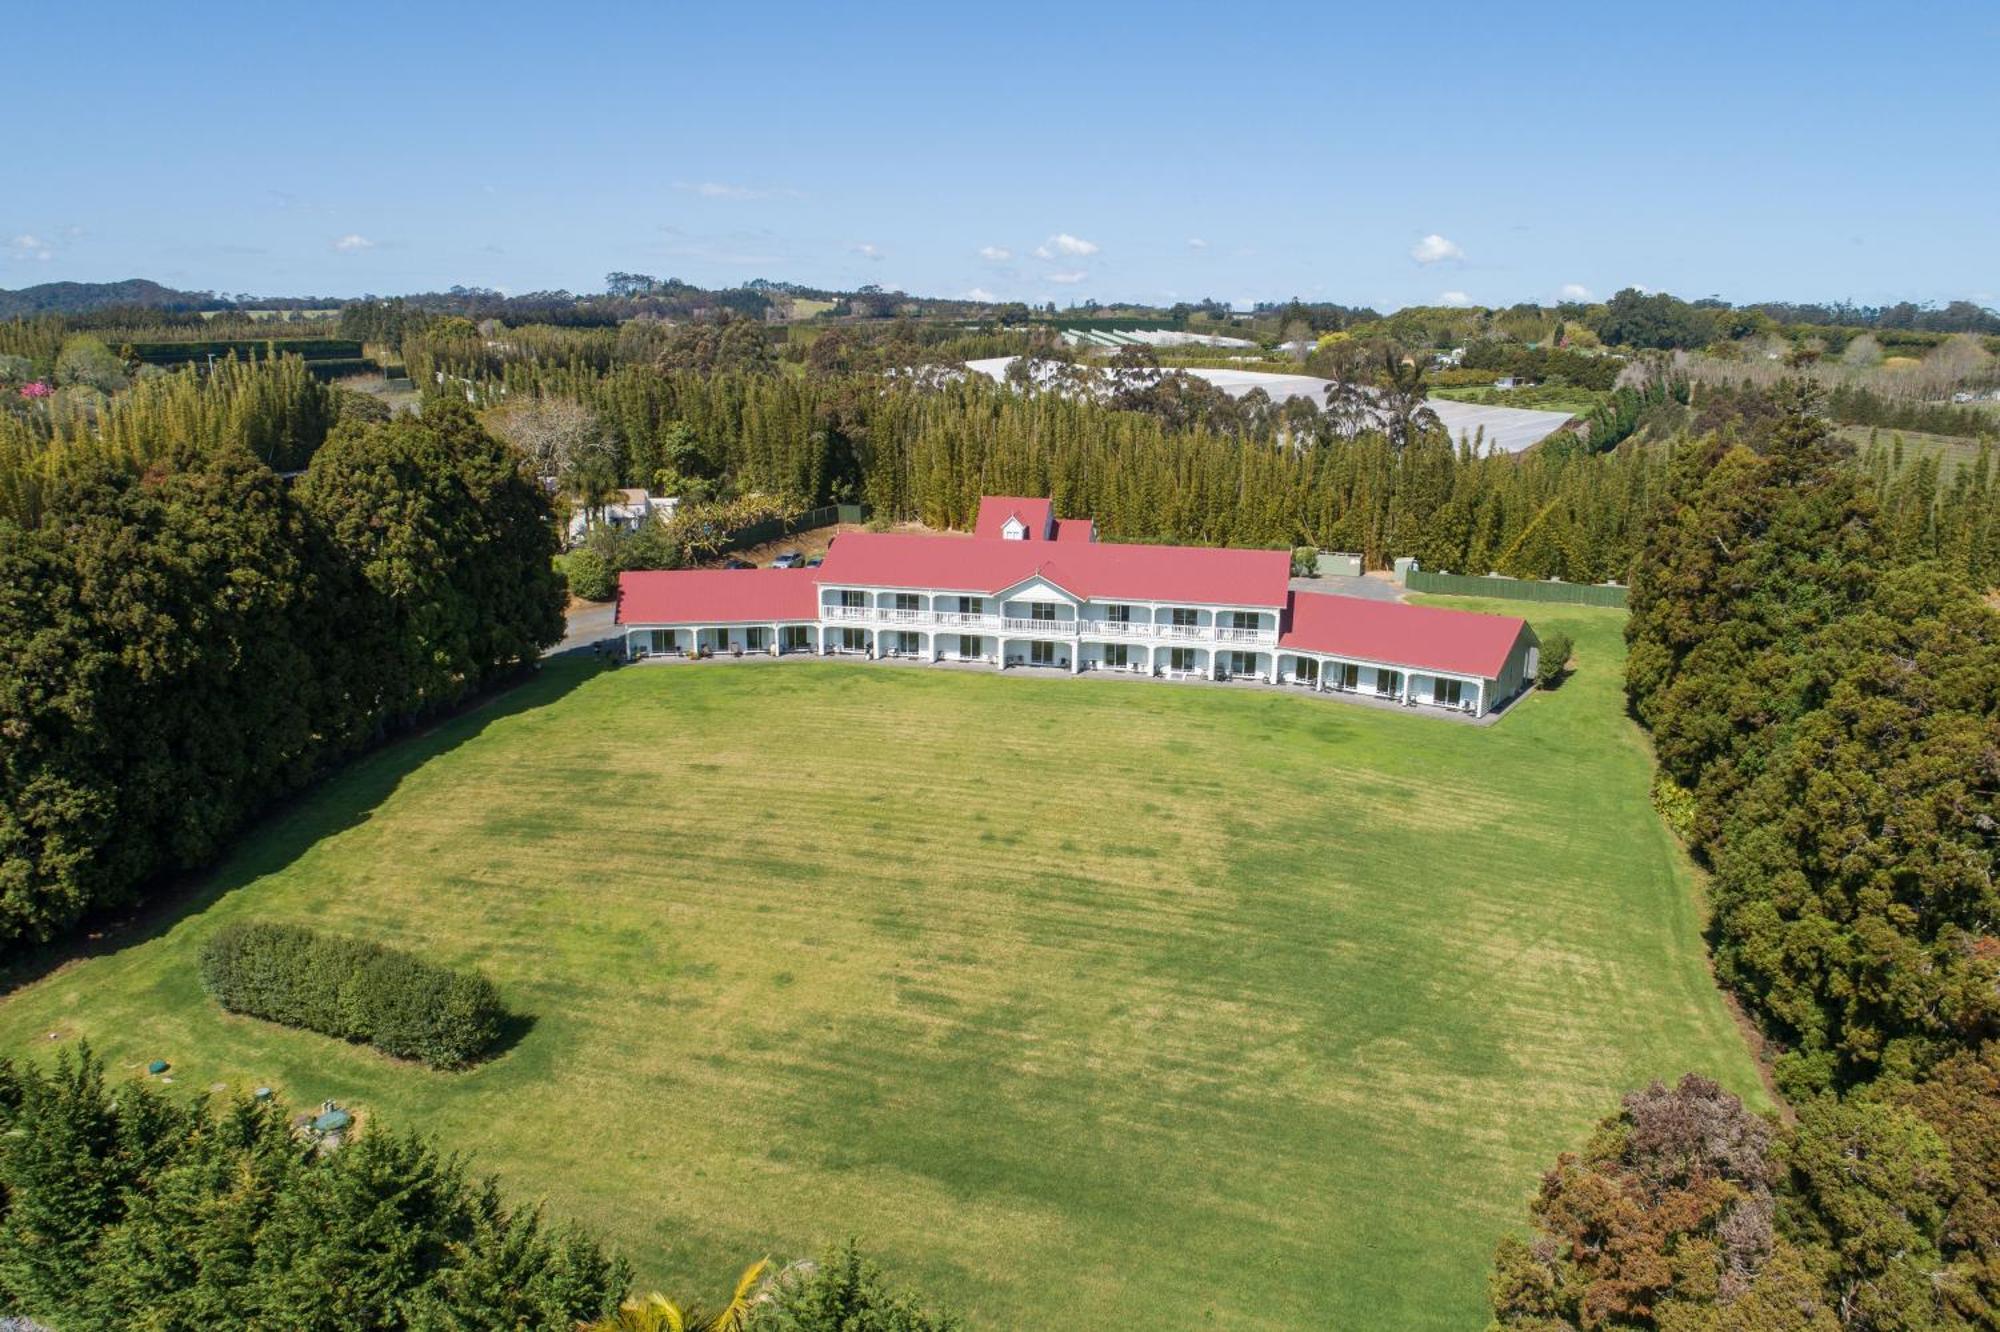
x,y
80,297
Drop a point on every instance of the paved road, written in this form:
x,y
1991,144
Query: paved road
x,y
1367,588
586,626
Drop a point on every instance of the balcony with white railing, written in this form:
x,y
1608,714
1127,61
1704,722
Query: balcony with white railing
x,y
891,615
1048,628
849,613
1227,635
965,620
1184,632
1122,628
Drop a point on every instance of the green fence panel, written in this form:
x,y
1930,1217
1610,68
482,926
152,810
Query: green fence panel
x,y
1517,589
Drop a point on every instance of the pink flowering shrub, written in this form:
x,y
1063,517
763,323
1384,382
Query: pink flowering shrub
x,y
35,389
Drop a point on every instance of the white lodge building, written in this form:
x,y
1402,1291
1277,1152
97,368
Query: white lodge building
x,y
1029,590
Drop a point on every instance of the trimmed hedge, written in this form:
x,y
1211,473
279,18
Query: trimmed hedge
x,y
355,990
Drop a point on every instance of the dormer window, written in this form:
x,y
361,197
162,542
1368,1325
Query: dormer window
x,y
1015,530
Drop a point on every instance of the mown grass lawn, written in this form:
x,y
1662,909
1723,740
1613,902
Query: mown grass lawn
x,y
1100,1002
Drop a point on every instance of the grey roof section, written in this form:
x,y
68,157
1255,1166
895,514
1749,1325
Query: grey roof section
x,y
1508,429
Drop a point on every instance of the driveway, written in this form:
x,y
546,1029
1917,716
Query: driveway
x,y
1369,587
589,623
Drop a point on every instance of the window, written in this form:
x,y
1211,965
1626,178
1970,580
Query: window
x,y
1117,654
1347,675
907,644
753,640
1306,672
968,645
1180,659
1242,663
796,638
907,601
1186,615
1448,693
854,640
1118,614
721,640
1243,619
1042,610
663,640
1388,682
849,597
1041,654
972,605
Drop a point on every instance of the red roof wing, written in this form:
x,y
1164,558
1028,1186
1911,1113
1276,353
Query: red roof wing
x,y
717,596
1425,638
1094,570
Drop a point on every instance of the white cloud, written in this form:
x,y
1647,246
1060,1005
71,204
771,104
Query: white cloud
x,y
1434,249
1454,298
715,189
981,294
1197,243
28,246
353,242
995,254
1068,278
868,251
1574,291
1062,243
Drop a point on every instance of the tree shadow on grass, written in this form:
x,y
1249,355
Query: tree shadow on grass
x,y
344,798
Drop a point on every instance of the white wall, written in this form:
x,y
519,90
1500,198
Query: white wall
x,y
948,643
1138,655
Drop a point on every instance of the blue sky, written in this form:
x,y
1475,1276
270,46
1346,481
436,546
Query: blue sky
x,y
1379,154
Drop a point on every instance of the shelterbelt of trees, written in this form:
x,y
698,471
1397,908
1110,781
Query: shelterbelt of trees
x,y
184,635
1827,721
1168,458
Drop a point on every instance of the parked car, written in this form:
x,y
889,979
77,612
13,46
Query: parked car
x,y
791,559
737,564
814,562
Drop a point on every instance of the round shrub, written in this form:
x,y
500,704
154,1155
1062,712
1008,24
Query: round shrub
x,y
591,577
1556,649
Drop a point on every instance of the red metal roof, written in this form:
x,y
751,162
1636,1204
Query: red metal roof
x,y
1094,570
995,510
1075,529
1424,638
717,596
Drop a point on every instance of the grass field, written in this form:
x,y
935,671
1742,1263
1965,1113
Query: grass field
x,y
1097,1001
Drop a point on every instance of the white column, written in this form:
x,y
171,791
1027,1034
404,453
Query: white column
x,y
1479,699
1274,666
1319,685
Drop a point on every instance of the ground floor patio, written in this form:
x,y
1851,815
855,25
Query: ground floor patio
x,y
1460,697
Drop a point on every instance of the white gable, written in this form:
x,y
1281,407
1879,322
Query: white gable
x,y
1037,588
1015,530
